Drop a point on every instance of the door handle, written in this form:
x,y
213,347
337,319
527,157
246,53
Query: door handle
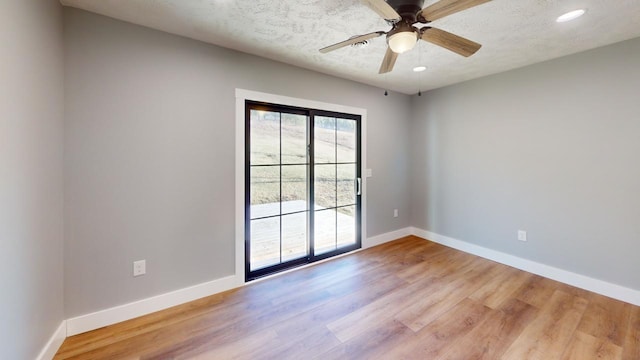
x,y
359,186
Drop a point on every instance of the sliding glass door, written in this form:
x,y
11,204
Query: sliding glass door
x,y
302,198
336,183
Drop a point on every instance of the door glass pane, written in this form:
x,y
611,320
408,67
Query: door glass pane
x,y
294,236
325,231
294,139
265,191
265,242
325,186
265,137
346,140
324,139
294,188
346,226
346,184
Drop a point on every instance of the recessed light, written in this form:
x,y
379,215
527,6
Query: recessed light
x,y
571,15
419,68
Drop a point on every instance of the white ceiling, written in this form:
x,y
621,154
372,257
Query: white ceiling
x,y
514,33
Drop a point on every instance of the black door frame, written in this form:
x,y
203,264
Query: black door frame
x,y
311,256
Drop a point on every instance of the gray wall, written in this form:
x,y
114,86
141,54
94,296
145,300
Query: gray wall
x,y
551,148
31,235
149,156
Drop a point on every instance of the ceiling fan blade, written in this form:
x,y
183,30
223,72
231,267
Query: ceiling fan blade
x,y
382,8
353,40
388,62
447,7
449,41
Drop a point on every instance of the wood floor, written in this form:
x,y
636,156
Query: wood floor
x,y
408,299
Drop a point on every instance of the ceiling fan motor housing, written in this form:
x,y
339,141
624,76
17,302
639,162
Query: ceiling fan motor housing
x,y
402,26
407,9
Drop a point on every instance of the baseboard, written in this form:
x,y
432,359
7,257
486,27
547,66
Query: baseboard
x,y
386,237
98,319
615,291
138,308
52,346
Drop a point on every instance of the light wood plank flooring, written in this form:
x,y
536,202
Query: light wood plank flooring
x,y
407,299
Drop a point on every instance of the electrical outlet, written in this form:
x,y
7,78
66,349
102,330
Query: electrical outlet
x,y
139,267
395,213
522,235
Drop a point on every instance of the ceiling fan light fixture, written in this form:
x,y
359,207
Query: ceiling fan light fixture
x,y
571,15
402,41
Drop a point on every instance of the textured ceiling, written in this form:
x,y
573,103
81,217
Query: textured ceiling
x,y
514,33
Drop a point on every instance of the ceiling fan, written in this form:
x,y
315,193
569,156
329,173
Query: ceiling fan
x,y
403,16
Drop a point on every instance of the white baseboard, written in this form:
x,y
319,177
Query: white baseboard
x,y
386,237
52,346
622,293
98,319
142,307
135,309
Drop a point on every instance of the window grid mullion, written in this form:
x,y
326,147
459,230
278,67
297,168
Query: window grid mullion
x,y
280,157
335,149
